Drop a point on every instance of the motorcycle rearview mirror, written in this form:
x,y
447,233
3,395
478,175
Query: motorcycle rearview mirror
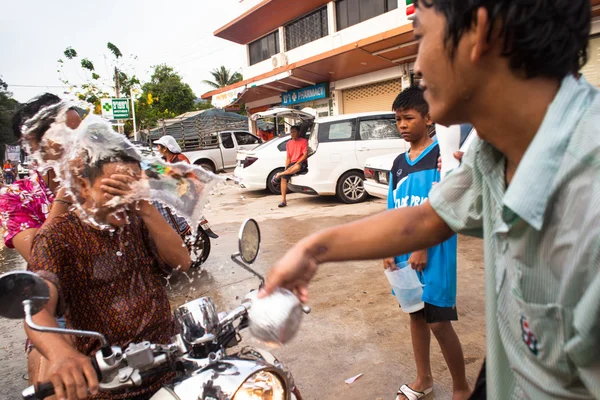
x,y
23,294
249,240
249,246
19,286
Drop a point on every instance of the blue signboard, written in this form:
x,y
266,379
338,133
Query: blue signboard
x,y
305,94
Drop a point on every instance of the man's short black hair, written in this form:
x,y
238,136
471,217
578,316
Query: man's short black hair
x,y
411,98
296,127
30,109
546,38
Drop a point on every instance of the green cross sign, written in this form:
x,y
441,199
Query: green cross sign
x,y
115,108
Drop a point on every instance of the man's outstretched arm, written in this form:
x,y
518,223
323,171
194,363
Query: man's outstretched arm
x,y
386,234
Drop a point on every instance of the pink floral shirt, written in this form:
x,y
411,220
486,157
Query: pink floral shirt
x,y
24,205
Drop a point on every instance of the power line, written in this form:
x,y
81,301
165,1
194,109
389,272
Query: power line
x,y
40,86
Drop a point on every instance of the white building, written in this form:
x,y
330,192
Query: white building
x,y
338,57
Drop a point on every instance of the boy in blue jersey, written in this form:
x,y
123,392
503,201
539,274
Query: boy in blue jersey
x,y
412,177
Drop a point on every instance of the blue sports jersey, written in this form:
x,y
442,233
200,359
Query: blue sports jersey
x,y
410,183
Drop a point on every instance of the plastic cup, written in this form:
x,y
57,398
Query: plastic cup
x,y
407,287
448,138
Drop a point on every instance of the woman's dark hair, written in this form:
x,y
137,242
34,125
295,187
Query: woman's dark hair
x,y
93,171
547,38
30,109
411,98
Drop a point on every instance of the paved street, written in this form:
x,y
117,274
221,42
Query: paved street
x,y
355,325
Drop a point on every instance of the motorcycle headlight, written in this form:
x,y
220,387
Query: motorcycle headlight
x,y
263,385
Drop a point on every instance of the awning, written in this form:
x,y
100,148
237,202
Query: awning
x,y
264,18
227,98
378,52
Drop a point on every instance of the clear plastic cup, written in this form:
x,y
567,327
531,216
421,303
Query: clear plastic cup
x,y
407,287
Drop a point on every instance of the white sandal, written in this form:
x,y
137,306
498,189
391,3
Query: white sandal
x,y
412,394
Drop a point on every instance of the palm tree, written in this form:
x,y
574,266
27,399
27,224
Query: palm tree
x,y
223,77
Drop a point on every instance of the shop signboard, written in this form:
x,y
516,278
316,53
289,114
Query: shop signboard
x,y
304,95
225,99
115,108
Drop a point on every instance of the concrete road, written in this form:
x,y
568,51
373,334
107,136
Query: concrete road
x,y
355,326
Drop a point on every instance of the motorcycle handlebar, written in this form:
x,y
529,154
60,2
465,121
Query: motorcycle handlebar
x,y
46,389
235,314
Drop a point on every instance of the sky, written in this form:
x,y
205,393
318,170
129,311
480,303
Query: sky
x,y
35,33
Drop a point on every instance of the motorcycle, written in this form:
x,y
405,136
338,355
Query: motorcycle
x,y
198,354
199,244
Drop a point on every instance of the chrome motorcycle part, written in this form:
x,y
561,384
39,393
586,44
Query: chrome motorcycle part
x,y
231,379
249,240
197,321
139,355
27,305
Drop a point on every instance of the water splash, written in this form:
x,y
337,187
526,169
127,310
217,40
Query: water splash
x,y
79,158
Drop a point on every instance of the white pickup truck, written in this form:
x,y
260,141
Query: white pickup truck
x,y
221,154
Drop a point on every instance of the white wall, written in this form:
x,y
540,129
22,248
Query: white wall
x,y
373,26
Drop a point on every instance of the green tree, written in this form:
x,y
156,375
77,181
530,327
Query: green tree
x,y
223,77
8,106
165,96
95,87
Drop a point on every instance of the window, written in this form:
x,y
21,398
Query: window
x,y
379,129
244,138
352,12
227,140
264,48
336,131
283,145
306,29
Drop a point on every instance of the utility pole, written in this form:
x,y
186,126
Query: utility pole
x,y
136,135
118,93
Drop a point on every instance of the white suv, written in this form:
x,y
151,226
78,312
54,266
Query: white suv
x,y
338,149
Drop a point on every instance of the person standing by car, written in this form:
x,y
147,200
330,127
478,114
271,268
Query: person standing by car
x,y
412,176
295,162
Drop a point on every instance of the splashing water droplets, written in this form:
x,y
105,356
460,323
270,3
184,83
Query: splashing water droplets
x,y
72,154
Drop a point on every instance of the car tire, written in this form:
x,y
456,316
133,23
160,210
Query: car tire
x,y
207,166
275,189
351,188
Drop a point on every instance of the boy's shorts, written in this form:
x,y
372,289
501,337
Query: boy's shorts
x,y
433,314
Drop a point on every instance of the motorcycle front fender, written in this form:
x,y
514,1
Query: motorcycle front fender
x,y
211,234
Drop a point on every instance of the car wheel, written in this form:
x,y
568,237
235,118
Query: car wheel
x,y
207,166
351,188
274,188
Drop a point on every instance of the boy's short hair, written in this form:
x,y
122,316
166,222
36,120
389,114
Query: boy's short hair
x,y
547,38
411,98
296,127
